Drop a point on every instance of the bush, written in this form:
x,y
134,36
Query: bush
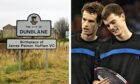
x,y
11,68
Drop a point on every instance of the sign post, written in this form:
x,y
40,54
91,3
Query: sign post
x,y
19,60
32,27
46,59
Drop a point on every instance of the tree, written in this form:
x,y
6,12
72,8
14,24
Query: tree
x,y
61,27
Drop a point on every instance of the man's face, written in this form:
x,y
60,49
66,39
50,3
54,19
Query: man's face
x,y
89,23
115,24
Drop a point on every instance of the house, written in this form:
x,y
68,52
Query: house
x,y
9,31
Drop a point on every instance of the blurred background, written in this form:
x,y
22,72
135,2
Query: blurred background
x,y
131,8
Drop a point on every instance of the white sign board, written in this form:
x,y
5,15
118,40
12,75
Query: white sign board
x,y
67,34
33,26
31,44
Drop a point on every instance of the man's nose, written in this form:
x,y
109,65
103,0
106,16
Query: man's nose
x,y
86,24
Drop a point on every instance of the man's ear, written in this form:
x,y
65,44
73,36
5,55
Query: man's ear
x,y
123,16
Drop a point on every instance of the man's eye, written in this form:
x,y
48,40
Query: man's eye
x,y
84,19
107,25
113,22
91,21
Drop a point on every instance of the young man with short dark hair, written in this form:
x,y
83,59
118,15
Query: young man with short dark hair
x,y
84,44
122,52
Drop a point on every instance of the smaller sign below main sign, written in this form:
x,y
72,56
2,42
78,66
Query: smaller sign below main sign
x,y
31,44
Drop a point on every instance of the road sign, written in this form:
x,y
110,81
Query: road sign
x,y
67,34
31,43
33,26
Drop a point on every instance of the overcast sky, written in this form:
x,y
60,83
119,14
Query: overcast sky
x,y
12,10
